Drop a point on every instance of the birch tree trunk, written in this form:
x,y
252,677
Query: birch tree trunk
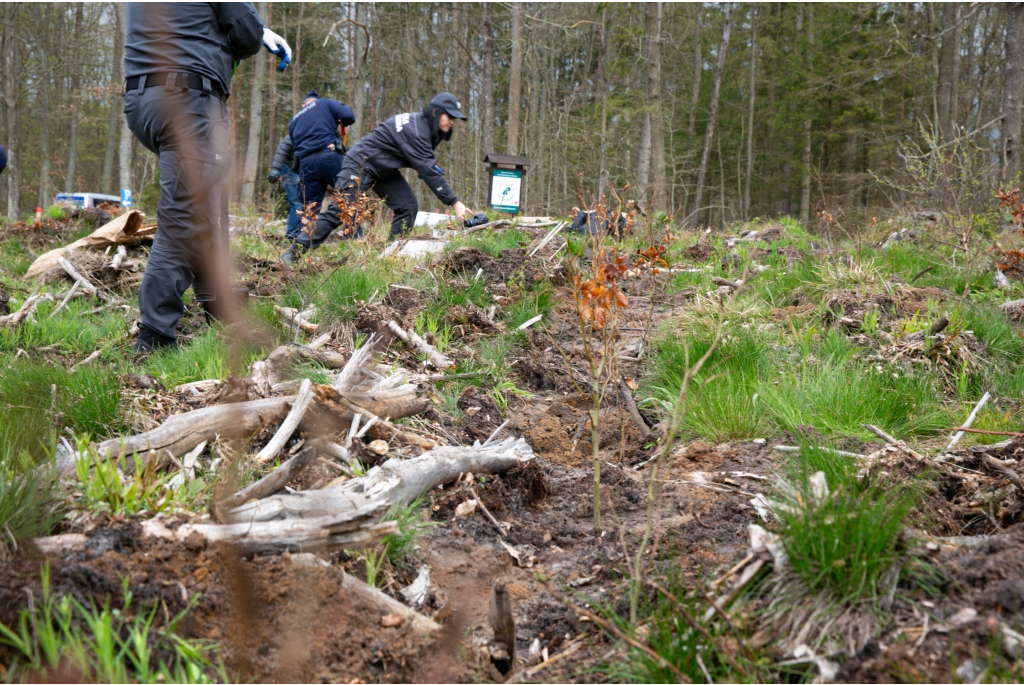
x,y
45,91
515,78
1013,90
252,148
716,88
487,86
412,66
297,62
602,84
76,58
127,139
107,179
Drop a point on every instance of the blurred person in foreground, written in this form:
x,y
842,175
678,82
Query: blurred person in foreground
x,y
178,62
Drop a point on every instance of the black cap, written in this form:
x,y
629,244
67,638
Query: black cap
x,y
312,94
449,103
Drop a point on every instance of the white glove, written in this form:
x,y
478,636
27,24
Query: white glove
x,y
275,43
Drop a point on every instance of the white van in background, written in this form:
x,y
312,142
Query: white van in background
x,y
86,200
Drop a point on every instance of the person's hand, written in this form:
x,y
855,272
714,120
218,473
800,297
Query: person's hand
x,y
461,212
274,175
276,44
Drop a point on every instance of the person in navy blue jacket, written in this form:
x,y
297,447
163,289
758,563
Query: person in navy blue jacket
x,y
313,132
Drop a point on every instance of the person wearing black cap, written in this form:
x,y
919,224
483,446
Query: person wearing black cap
x,y
178,59
404,141
314,132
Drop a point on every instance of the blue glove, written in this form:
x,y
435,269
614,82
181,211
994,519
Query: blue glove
x,y
277,45
439,170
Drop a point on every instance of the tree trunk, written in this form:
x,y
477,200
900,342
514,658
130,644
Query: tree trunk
x,y
296,63
805,157
1013,90
127,139
657,197
412,61
750,113
949,66
107,179
515,79
716,88
252,148
12,84
69,180
602,84
45,95
698,68
487,87
358,102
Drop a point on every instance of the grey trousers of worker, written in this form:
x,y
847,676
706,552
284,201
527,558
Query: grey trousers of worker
x,y
392,188
188,130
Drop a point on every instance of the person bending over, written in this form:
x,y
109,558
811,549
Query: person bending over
x,y
374,163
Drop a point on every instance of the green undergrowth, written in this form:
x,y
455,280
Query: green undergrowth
x,y
62,639
37,399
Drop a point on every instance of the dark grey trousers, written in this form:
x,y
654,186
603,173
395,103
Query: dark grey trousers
x,y
188,130
392,188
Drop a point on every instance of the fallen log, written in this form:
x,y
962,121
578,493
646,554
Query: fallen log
x,y
182,432
399,482
28,307
351,370
281,362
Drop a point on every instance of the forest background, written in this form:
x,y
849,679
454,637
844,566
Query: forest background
x,y
710,112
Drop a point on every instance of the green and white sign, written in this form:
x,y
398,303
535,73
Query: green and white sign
x,y
506,185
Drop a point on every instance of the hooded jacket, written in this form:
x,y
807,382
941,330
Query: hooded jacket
x,y
405,141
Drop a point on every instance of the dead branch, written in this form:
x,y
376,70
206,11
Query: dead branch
x,y
396,403
634,413
415,342
270,483
291,422
115,263
892,441
399,482
350,372
1004,469
388,604
26,310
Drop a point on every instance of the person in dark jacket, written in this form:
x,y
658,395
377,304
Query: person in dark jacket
x,y
404,141
286,169
3,159
314,132
178,59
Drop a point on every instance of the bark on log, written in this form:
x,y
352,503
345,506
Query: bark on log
x,y
182,432
415,342
396,403
352,370
397,481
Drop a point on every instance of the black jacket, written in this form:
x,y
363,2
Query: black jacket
x,y
201,38
404,141
285,156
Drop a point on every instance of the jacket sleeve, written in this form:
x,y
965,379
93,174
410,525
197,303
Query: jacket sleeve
x,y
243,26
342,113
283,156
420,156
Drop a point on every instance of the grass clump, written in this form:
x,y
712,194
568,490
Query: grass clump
x,y
837,398
723,402
37,399
200,359
60,638
841,535
29,506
